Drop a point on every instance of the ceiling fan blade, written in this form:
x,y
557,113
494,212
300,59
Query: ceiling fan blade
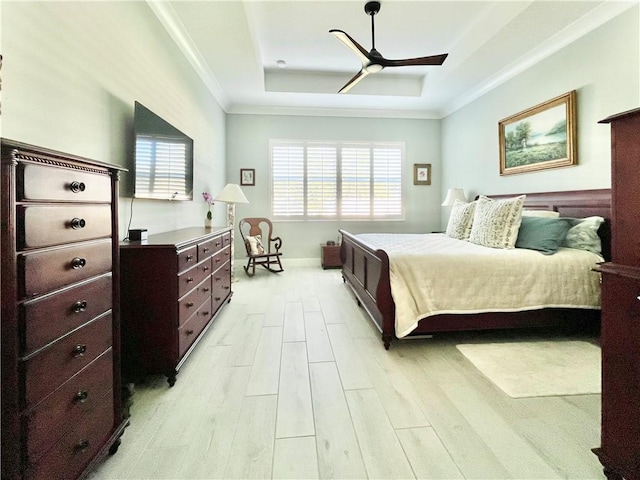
x,y
432,60
345,38
356,78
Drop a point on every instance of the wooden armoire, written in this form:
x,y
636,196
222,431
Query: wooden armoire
x,y
619,451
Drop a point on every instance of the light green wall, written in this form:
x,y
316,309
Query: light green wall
x,y
71,74
603,66
248,147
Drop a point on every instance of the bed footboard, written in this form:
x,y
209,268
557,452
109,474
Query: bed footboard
x,y
366,270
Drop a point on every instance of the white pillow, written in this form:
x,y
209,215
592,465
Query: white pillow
x,y
583,234
460,220
496,222
540,213
255,245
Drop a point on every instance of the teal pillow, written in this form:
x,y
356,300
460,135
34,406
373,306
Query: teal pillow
x,y
543,234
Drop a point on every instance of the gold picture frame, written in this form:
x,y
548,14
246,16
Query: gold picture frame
x,y
540,137
422,174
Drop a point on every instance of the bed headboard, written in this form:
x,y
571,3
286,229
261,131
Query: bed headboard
x,y
579,203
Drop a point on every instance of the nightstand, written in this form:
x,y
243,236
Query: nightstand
x,y
330,256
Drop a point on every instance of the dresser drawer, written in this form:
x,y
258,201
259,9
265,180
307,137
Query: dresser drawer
x,y
191,302
44,272
188,332
49,368
65,407
226,239
187,258
220,258
41,182
208,248
52,316
75,450
42,226
192,277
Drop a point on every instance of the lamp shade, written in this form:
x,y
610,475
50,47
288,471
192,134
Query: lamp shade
x,y
231,193
454,194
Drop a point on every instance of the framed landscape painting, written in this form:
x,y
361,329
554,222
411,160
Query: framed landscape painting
x,y
539,138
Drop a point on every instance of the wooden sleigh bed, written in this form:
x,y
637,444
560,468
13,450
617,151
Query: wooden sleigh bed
x,y
366,271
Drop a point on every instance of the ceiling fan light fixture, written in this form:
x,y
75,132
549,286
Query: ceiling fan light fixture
x,y
373,68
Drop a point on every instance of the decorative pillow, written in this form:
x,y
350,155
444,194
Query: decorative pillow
x,y
540,213
543,234
496,222
255,245
583,234
460,220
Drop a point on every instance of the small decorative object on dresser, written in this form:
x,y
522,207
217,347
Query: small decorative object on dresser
x,y
173,286
619,450
61,389
208,221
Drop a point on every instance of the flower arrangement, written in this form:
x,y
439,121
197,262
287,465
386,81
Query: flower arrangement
x,y
209,199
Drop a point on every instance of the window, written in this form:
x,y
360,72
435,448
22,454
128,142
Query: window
x,y
161,167
313,180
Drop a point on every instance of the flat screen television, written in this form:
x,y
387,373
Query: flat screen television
x,y
163,158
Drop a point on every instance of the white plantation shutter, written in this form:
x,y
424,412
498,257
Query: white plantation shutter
x,y
322,181
356,182
312,180
387,181
287,174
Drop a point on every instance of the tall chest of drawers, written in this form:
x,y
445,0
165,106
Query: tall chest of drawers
x,y
61,398
619,450
173,286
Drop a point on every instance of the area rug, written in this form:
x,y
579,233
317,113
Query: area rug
x,y
538,369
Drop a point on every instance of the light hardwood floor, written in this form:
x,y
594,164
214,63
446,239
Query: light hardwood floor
x,y
292,381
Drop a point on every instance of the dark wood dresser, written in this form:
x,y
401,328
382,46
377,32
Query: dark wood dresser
x,y
619,452
61,396
173,285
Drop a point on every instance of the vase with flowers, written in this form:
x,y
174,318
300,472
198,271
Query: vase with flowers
x,y
208,221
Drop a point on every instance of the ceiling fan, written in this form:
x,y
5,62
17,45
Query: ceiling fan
x,y
373,61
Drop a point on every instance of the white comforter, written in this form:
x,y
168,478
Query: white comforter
x,y
433,274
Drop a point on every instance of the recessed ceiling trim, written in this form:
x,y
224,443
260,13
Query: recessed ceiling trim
x,y
594,19
172,24
331,112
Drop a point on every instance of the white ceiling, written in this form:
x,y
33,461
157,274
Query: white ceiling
x,y
234,46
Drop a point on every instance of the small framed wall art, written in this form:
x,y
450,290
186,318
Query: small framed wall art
x,y
247,177
422,174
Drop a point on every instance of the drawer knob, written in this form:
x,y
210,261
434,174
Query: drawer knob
x,y
80,306
205,269
189,304
77,187
217,244
189,258
205,249
217,299
217,260
189,279
81,446
81,396
205,314
226,287
78,223
205,289
189,332
78,262
218,279
79,350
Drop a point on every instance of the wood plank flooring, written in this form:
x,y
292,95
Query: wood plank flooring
x,y
292,382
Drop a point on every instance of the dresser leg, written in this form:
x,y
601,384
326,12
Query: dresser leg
x,y
171,378
114,448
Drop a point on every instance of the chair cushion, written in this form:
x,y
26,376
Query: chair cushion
x,y
255,245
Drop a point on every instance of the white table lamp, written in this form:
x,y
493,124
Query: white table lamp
x,y
454,194
231,194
